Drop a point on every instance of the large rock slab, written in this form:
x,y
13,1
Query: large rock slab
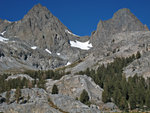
x,y
70,105
73,86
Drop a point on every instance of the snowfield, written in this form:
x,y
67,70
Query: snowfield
x,y
48,51
3,33
82,45
2,39
58,54
34,47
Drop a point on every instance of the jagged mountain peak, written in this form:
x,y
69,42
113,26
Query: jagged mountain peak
x,y
125,16
39,27
38,8
38,11
122,12
122,21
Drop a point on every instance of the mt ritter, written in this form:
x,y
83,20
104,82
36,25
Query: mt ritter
x,y
45,68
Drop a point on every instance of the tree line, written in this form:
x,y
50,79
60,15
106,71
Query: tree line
x,y
38,76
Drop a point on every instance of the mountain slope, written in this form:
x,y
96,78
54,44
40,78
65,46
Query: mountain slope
x,y
121,36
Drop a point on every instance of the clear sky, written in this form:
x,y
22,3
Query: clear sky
x,y
80,16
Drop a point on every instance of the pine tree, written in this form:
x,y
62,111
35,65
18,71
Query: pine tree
x,y
123,104
138,55
132,101
147,99
54,89
18,94
28,98
7,96
84,97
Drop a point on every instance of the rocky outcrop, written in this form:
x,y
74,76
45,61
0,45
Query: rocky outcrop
x,y
69,104
17,55
140,67
21,76
39,101
31,100
73,86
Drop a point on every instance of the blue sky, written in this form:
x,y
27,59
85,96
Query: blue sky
x,y
80,16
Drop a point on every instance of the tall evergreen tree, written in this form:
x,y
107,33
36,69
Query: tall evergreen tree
x,y
18,94
84,97
138,55
54,89
7,96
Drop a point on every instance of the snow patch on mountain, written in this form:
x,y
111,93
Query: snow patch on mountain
x,y
68,63
34,47
48,51
82,45
3,33
71,33
2,39
58,54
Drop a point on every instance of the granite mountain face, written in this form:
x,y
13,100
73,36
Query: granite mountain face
x,y
40,41
40,29
122,21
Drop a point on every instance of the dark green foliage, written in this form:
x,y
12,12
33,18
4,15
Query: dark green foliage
x,y
13,83
49,74
54,89
7,96
17,94
147,100
38,76
138,55
126,94
28,97
84,97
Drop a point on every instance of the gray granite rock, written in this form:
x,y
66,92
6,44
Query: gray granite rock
x,y
42,102
73,85
70,105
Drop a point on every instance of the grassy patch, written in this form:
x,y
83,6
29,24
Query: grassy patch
x,y
69,66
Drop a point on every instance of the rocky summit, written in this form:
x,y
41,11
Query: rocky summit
x,y
45,68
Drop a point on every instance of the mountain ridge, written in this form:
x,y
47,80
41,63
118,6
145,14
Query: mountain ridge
x,y
45,52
